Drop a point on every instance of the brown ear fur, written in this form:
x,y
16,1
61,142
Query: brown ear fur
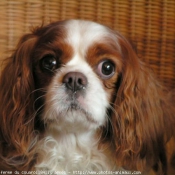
x,y
16,94
144,116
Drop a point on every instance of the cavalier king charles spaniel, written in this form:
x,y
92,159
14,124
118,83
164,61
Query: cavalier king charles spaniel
x,y
75,98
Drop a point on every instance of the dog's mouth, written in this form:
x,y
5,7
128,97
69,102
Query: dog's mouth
x,y
74,115
74,103
74,108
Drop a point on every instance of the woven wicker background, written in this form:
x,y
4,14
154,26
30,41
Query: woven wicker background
x,y
149,24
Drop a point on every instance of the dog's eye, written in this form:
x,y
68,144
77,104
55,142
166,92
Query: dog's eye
x,y
49,63
106,69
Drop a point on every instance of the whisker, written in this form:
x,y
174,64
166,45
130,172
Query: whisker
x,y
39,89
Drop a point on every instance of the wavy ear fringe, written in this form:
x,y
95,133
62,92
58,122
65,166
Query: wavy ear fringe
x,y
144,116
16,94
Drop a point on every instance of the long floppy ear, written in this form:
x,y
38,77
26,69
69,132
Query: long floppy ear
x,y
142,115
16,108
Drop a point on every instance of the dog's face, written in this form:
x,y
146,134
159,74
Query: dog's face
x,y
76,66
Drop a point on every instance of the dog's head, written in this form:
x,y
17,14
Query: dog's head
x,y
79,76
77,66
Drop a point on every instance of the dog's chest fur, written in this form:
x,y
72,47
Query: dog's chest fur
x,y
72,152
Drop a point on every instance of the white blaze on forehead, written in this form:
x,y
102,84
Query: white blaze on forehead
x,y
82,34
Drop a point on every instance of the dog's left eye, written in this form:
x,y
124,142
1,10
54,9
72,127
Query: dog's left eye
x,y
106,69
49,63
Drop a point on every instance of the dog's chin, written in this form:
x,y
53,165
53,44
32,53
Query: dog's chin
x,y
73,118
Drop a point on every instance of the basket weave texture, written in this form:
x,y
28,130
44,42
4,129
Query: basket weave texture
x,y
149,24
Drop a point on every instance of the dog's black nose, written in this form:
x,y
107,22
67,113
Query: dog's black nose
x,y
75,81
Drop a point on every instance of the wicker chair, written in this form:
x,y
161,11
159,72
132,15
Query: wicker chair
x,y
149,24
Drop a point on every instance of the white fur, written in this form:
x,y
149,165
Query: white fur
x,y
70,143
72,152
82,34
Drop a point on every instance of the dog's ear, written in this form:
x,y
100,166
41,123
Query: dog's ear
x,y
143,114
16,94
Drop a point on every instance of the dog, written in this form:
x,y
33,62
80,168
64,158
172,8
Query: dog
x,y
75,97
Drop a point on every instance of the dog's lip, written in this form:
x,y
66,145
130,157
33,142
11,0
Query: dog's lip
x,y
73,102
75,106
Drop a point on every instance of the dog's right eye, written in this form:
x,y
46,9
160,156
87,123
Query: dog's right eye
x,y
49,63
